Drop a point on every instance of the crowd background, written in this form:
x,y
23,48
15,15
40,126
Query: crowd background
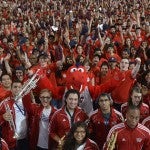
x,y
56,34
73,31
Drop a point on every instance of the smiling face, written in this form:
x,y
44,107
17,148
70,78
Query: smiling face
x,y
43,61
6,81
19,75
45,98
72,101
79,134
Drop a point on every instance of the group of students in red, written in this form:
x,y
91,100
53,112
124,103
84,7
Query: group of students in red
x,y
29,125
106,44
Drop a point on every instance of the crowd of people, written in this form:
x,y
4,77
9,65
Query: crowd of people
x,y
107,40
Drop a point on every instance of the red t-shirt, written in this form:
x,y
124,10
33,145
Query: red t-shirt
x,y
121,93
4,93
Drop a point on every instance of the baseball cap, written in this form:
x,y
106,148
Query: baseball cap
x,y
112,59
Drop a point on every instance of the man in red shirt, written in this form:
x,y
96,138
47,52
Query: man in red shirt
x,y
103,119
126,80
130,134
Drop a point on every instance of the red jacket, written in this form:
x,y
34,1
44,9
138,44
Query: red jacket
x,y
60,123
99,129
34,114
7,133
90,145
146,99
4,93
144,110
120,94
146,122
4,145
130,139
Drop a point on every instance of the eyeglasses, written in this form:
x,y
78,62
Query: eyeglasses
x,y
46,97
82,132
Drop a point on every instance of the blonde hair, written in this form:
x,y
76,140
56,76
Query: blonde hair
x,y
46,90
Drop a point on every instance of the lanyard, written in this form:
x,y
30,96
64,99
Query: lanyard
x,y
21,110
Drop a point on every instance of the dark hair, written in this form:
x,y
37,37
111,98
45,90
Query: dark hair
x,y
107,95
104,64
143,78
79,45
66,64
126,50
43,55
134,89
70,141
86,60
132,107
1,67
5,74
97,55
16,81
147,63
78,61
71,91
20,68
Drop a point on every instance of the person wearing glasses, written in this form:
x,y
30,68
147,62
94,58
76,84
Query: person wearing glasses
x,y
103,119
64,118
77,138
39,117
136,100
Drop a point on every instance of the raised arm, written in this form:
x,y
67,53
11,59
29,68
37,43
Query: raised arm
x,y
136,69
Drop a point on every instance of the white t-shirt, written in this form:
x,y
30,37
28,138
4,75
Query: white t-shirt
x,y
81,147
20,120
43,129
